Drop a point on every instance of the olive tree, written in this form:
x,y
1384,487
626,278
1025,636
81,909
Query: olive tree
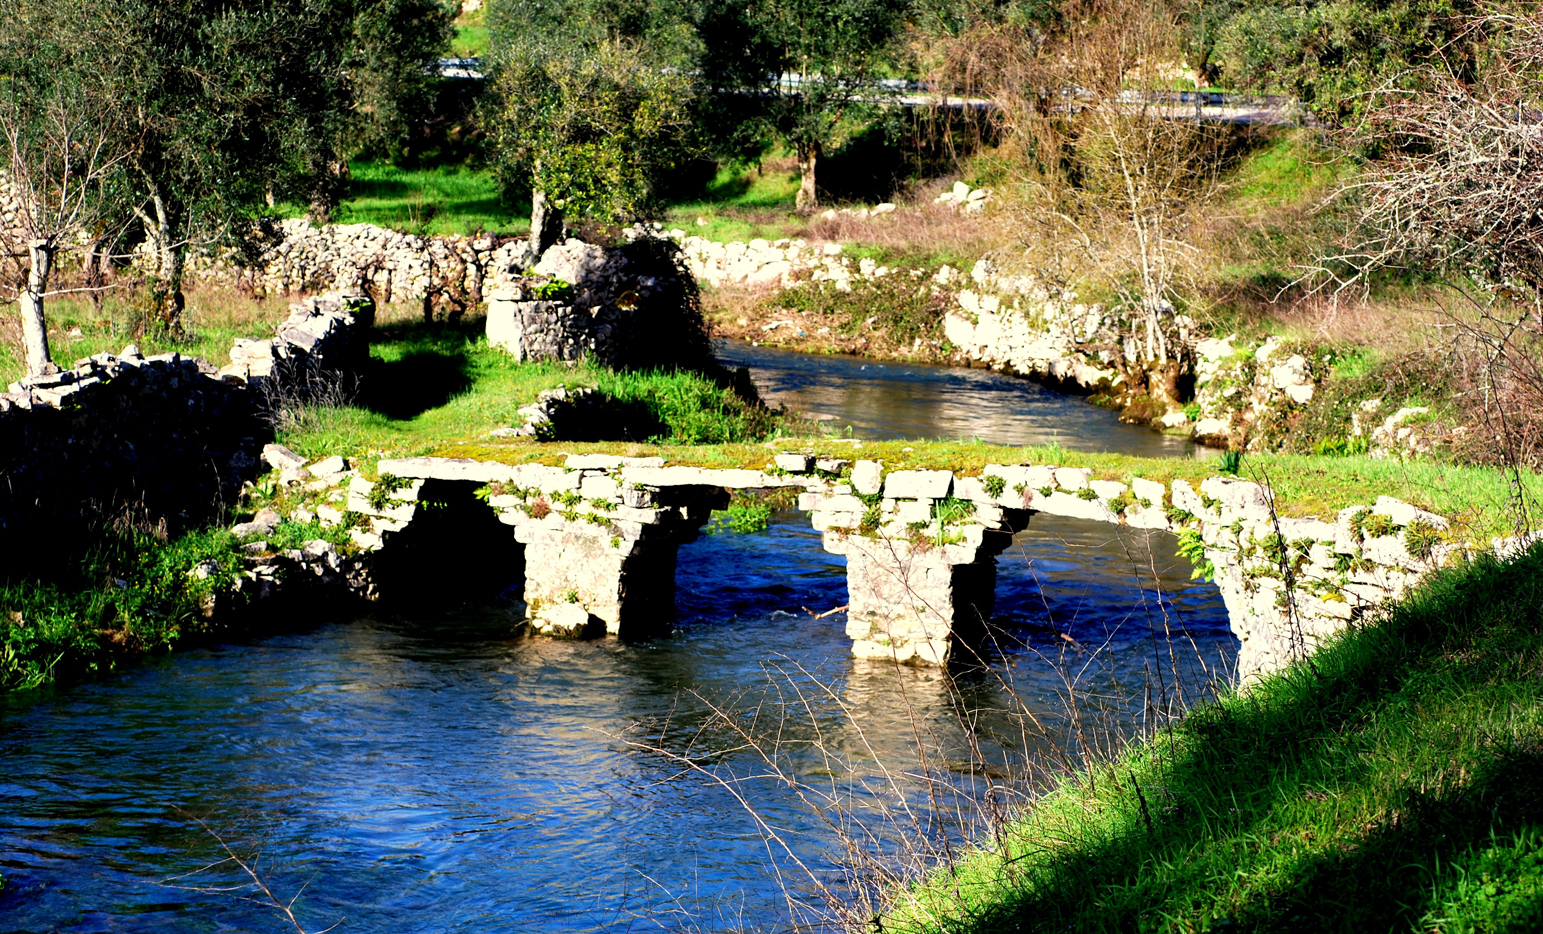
x,y
807,64
61,133
588,124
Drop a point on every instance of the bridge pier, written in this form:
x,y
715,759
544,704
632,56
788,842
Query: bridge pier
x,y
620,572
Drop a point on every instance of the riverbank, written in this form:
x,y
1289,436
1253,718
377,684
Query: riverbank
x,y
1393,781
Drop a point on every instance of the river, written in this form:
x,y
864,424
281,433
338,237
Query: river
x,y
440,770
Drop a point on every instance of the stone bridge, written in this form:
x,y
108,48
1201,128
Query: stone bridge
x,y
600,536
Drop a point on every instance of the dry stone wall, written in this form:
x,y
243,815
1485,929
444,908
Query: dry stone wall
x,y
390,264
165,436
161,436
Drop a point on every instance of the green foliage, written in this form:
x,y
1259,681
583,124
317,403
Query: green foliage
x,y
1390,785
589,121
1230,463
382,495
1192,549
1086,493
133,593
838,47
391,66
745,514
1421,538
1330,54
1377,525
995,484
554,291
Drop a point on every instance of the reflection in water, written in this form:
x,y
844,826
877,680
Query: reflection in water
x,y
913,400
448,773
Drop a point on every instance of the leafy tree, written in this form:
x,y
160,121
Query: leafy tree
x,y
810,64
588,107
1329,54
390,66
234,104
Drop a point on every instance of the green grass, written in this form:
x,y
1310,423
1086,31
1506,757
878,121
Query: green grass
x,y
131,594
1396,784
429,385
471,35
453,199
1290,171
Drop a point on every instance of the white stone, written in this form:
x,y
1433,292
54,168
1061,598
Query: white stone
x,y
328,467
280,457
794,463
1107,489
1403,513
1072,478
918,484
867,477
599,486
562,619
1149,491
1212,428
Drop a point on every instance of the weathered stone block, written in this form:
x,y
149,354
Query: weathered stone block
x,y
1149,490
1107,489
867,477
918,484
1072,478
794,463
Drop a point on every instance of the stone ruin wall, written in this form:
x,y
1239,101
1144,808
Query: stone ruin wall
x,y
159,436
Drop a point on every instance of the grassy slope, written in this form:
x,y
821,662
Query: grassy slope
x,y
1394,784
213,319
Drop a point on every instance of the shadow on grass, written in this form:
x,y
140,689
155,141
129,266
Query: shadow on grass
x,y
1396,780
425,366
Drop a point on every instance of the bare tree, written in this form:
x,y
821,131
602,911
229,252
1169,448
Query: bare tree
x,y
1115,169
60,166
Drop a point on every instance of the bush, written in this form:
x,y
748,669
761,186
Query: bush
x,y
134,593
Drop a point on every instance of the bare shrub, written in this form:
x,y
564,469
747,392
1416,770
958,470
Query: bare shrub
x,y
1452,189
1110,175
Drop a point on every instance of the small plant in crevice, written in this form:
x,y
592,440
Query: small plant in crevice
x,y
994,484
1191,548
1229,463
381,496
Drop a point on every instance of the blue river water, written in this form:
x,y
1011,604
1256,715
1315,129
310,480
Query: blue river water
x,y
440,770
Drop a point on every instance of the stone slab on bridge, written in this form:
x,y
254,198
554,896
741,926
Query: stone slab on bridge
x,y
601,534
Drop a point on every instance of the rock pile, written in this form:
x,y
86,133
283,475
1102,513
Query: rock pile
x,y
963,198
323,338
551,406
162,436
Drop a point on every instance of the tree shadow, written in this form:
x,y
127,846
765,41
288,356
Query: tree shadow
x,y
434,369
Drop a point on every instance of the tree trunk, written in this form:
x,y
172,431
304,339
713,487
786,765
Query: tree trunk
x,y
546,223
33,328
807,200
167,289
94,268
